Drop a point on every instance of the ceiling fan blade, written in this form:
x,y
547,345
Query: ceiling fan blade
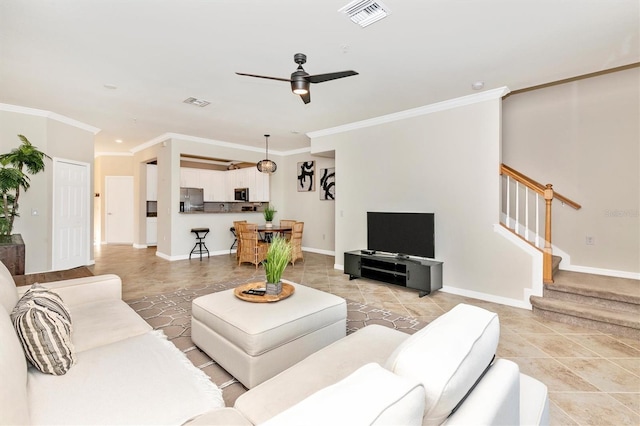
x,y
319,78
306,98
264,76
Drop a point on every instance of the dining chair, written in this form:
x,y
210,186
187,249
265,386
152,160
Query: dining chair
x,y
236,226
296,242
286,223
252,250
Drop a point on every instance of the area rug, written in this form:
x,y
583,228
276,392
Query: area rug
x,y
171,313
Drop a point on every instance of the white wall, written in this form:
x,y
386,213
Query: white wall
x,y
444,161
584,138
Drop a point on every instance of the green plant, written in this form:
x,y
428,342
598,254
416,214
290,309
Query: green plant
x,y
278,257
13,178
269,212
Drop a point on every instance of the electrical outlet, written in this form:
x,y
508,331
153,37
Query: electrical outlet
x,y
589,240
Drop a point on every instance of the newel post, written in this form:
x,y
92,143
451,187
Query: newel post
x,y
547,254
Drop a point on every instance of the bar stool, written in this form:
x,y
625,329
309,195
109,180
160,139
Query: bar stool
x,y
200,246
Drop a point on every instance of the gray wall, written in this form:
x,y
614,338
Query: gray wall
x,y
56,139
584,138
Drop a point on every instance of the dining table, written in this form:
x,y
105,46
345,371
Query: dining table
x,y
266,233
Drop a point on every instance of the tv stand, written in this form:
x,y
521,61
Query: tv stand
x,y
420,274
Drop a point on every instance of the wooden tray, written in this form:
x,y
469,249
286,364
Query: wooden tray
x,y
287,290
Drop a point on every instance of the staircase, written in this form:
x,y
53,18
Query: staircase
x,y
607,304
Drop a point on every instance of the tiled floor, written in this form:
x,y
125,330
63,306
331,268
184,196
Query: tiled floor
x,y
593,378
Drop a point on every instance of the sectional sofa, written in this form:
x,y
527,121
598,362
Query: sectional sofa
x,y
126,373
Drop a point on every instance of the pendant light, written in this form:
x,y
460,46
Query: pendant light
x,y
266,165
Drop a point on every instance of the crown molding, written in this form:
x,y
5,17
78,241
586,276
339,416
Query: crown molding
x,y
112,154
50,115
415,112
167,136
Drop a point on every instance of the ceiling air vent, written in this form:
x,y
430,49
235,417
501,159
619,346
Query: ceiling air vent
x,y
196,102
365,12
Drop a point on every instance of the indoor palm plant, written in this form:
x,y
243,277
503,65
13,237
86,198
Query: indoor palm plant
x,y
278,257
269,212
16,164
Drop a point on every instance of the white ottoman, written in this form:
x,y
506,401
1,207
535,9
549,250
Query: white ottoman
x,y
256,341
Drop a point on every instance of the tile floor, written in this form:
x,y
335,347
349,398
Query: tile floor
x,y
593,378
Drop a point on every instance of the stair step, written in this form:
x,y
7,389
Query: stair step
x,y
603,319
597,286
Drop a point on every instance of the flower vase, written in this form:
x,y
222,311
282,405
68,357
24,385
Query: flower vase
x,y
274,288
269,224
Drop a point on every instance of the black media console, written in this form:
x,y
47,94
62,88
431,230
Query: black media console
x,y
419,274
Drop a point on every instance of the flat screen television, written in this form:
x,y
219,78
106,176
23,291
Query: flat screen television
x,y
401,233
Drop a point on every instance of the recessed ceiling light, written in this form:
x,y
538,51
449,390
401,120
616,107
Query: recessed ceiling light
x,y
196,102
478,85
118,140
110,86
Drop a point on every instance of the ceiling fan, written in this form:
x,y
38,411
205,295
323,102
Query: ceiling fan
x,y
300,79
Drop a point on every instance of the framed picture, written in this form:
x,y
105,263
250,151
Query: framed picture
x,y
306,176
328,184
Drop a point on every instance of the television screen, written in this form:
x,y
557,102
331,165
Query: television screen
x,y
401,233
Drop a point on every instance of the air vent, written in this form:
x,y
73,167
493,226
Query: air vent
x,y
365,12
196,102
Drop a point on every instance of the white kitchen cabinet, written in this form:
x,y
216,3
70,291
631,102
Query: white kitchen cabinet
x,y
152,182
190,178
261,190
152,231
213,184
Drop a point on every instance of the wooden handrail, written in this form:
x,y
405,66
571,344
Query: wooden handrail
x,y
536,186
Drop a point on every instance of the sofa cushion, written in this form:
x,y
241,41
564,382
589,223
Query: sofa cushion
x,y
373,343
104,321
43,325
369,396
448,357
143,380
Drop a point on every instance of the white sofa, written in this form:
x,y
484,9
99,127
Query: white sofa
x,y
382,376
128,374
125,373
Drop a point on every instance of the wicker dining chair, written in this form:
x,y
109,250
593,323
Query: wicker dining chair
x,y
296,242
252,250
236,225
286,223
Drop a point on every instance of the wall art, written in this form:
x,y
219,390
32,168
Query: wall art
x,y
328,184
306,176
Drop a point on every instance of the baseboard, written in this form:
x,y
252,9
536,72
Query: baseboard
x,y
487,297
599,271
139,246
319,251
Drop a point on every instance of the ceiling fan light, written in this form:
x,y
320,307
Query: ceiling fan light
x,y
300,87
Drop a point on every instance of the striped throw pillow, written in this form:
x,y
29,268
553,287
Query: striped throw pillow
x,y
43,325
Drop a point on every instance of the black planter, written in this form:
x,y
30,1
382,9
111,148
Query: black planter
x,y
12,253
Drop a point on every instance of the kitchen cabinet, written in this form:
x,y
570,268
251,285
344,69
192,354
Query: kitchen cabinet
x,y
190,178
152,231
261,190
219,185
152,182
212,182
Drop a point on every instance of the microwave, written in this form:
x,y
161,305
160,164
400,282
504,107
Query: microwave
x,y
241,194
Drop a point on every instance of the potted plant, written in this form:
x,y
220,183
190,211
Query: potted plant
x,y
14,167
269,212
13,178
278,257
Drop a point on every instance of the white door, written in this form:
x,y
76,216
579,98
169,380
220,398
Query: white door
x,y
71,201
119,209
